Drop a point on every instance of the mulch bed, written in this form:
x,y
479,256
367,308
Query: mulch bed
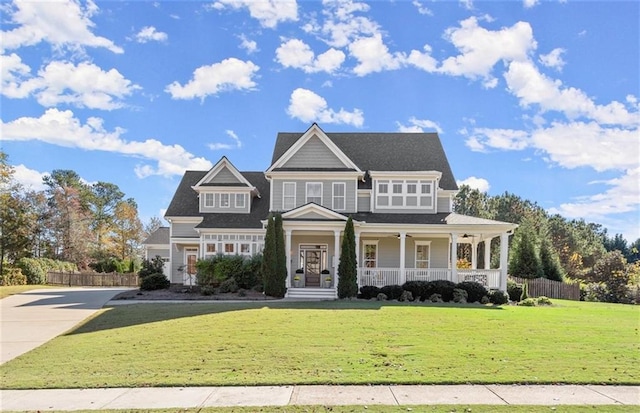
x,y
184,293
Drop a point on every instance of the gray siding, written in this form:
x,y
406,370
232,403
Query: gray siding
x,y
327,193
183,230
314,154
364,203
443,204
232,209
176,262
389,252
163,252
224,176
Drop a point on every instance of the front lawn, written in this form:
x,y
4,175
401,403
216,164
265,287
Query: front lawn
x,y
338,342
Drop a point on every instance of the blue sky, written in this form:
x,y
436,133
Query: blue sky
x,y
535,98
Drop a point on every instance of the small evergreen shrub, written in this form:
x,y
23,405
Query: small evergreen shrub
x,y
406,296
207,290
442,287
525,292
417,288
498,297
393,292
514,290
155,281
12,276
435,298
484,300
251,275
152,266
229,286
228,266
368,292
542,300
475,291
459,296
528,302
381,297
33,270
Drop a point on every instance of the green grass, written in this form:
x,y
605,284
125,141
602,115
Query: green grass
x,y
337,343
7,290
475,408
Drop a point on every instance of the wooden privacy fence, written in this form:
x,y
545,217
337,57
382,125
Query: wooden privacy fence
x,y
549,288
92,279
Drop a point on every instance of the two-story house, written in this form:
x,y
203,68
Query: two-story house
x,y
397,187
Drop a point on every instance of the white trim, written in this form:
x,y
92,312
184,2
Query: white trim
x,y
223,162
228,205
305,175
295,187
213,199
314,130
242,196
363,257
343,196
306,193
404,193
418,243
314,208
425,175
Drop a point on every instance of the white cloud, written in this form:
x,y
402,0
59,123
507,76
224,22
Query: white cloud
x,y
84,85
249,45
342,25
553,59
526,82
467,4
297,54
63,24
480,184
422,9
219,146
310,107
373,55
481,139
419,125
61,128
530,3
29,178
149,33
481,49
13,74
268,12
423,60
229,74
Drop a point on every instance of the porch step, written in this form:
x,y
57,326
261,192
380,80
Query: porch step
x,y
312,293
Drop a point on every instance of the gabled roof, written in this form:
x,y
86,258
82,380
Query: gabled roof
x,y
393,151
313,211
221,165
158,237
185,203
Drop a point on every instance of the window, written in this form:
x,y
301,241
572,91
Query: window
x,y
224,200
245,249
314,192
370,256
422,254
208,200
211,248
339,196
229,248
240,200
409,193
288,195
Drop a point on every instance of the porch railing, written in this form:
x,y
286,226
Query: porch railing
x,y
427,274
488,278
380,277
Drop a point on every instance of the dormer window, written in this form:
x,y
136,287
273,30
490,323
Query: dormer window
x,y
209,200
224,200
392,194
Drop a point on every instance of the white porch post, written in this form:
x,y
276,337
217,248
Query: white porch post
x,y
487,253
454,257
504,253
336,255
474,254
403,237
287,247
358,258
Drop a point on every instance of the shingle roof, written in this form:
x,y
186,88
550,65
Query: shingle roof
x,y
159,236
185,203
385,152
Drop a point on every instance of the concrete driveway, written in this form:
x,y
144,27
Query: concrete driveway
x,y
32,318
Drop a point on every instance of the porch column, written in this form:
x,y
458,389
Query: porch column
x,y
287,248
487,253
454,257
474,254
336,255
504,254
403,237
358,249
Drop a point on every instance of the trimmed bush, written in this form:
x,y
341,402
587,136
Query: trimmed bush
x,y
152,266
435,298
251,276
155,281
393,292
442,287
542,300
528,302
498,297
418,289
12,276
368,292
229,286
207,290
475,291
33,270
514,290
228,266
381,297
406,296
485,300
459,296
525,292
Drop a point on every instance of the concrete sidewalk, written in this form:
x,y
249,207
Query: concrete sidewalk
x,y
32,318
195,397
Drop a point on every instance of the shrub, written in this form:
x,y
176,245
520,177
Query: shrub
x,y
229,286
514,290
528,302
498,297
475,291
110,264
484,300
406,296
435,298
393,292
207,290
542,300
459,296
525,292
442,287
368,292
155,281
12,276
228,266
33,270
206,271
153,266
417,288
251,275
381,297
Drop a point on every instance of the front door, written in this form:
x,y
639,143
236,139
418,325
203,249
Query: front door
x,y
312,261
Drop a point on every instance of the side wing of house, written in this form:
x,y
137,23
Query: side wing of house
x,y
157,244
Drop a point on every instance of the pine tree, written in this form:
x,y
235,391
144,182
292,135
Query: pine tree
x,y
269,259
280,287
550,262
347,268
525,261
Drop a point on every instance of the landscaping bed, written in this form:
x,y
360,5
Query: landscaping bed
x,y
186,293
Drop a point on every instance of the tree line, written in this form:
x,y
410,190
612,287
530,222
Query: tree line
x,y
90,225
